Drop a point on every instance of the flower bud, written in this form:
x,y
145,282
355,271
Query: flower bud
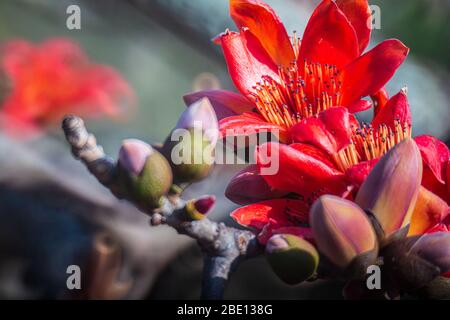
x,y
200,115
248,186
412,264
197,209
292,258
190,148
344,234
434,248
191,156
391,189
144,172
133,154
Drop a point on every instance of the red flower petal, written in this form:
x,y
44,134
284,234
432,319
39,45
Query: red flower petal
x,y
361,105
370,72
264,23
329,37
429,211
359,14
247,124
354,123
358,173
430,182
397,108
299,168
448,178
330,131
314,152
435,155
438,228
447,222
279,212
380,99
225,103
247,60
248,186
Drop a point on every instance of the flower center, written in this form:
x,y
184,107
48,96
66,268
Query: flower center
x,y
369,143
303,90
301,93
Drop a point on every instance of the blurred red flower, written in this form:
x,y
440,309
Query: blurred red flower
x,y
284,80
48,80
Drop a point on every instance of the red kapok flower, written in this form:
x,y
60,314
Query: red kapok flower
x,y
434,197
285,80
343,231
333,154
53,78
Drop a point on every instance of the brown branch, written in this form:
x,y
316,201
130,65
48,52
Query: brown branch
x,y
224,247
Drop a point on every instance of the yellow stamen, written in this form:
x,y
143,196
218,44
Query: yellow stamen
x,y
369,143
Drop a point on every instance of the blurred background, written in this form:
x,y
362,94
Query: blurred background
x,y
53,214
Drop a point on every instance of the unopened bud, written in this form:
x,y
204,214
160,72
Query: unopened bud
x,y
292,258
190,147
133,154
200,115
191,155
391,189
144,172
344,234
414,262
434,248
197,209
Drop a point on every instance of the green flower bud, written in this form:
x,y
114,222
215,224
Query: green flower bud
x,y
191,157
190,147
145,173
292,258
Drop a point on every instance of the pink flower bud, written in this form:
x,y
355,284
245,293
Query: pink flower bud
x,y
434,248
200,115
144,173
391,189
133,154
342,231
